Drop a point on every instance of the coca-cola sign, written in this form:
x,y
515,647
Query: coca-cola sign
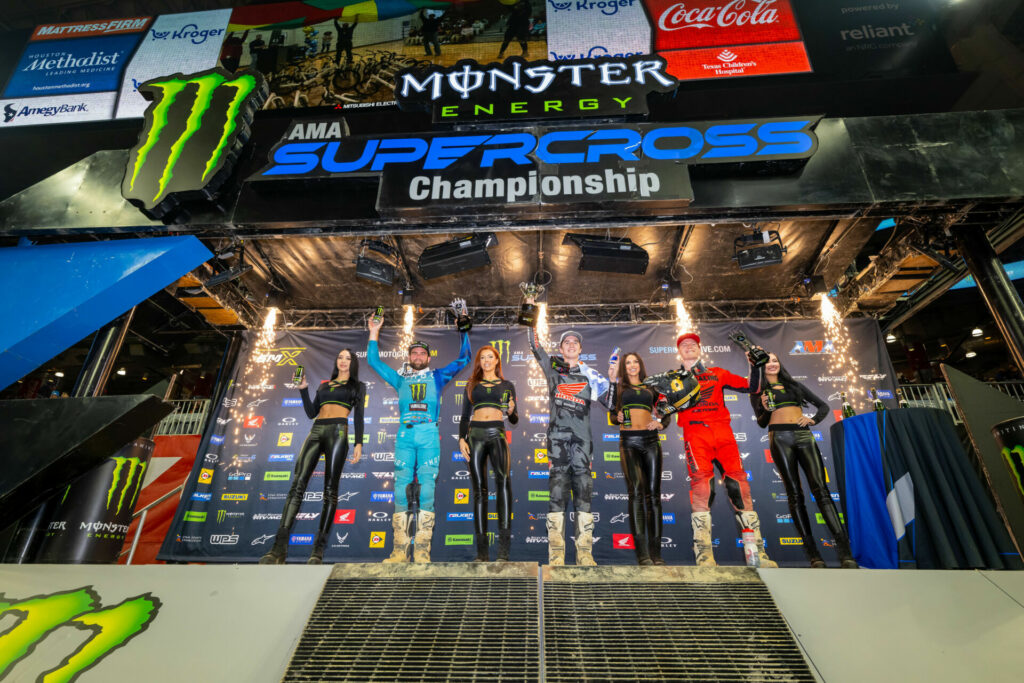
x,y
713,23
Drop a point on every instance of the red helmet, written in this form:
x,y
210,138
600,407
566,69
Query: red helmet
x,y
688,335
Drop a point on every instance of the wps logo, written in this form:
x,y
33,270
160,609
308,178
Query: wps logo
x,y
132,465
39,616
503,347
418,391
282,356
812,347
207,111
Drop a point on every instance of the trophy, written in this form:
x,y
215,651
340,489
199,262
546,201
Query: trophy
x,y
758,357
528,311
462,320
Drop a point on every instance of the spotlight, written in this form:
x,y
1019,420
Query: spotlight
x,y
673,288
977,332
228,275
890,338
457,255
376,270
609,255
762,248
122,372
970,354
58,374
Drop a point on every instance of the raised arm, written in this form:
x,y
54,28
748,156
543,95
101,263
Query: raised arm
x,y
455,367
387,373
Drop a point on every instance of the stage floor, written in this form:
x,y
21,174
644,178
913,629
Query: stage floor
x,y
242,623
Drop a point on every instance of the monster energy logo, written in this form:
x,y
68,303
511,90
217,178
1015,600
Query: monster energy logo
x,y
502,346
38,616
119,467
419,391
1015,461
191,131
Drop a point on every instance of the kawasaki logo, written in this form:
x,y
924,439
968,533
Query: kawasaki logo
x,y
133,464
37,617
206,111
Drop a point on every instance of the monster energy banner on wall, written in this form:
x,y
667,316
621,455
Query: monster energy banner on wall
x,y
92,521
232,502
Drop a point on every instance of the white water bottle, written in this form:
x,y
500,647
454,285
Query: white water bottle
x,y
750,548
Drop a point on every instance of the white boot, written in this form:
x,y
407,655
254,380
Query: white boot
x,y
585,539
556,538
400,525
703,549
424,532
748,519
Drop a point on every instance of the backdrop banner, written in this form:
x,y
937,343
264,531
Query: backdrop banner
x,y
232,502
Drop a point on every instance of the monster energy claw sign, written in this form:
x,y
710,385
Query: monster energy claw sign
x,y
37,617
91,524
195,128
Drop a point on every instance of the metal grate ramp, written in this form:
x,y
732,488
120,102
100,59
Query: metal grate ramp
x,y
436,622
665,624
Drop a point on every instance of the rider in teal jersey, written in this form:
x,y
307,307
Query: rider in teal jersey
x,y
418,446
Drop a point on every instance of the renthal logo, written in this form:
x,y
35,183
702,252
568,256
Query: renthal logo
x,y
734,13
503,347
282,356
116,482
205,108
36,617
812,347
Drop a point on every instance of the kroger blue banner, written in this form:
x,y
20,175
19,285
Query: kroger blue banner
x,y
232,503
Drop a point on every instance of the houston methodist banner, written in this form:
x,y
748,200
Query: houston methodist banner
x,y
232,502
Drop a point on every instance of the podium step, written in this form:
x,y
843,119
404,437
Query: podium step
x,y
431,622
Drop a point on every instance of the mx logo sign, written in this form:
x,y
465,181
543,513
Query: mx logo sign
x,y
40,615
194,130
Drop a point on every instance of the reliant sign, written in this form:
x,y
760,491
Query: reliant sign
x,y
536,169
523,90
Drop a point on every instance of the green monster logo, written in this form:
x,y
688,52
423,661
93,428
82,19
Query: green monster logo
x,y
119,466
193,129
502,346
112,627
419,391
1015,461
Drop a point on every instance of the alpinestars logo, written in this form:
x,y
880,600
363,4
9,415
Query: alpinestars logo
x,y
209,109
40,615
568,392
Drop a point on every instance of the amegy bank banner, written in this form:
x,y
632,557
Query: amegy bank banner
x,y
232,502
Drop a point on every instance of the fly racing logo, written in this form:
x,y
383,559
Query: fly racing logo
x,y
208,111
121,482
37,617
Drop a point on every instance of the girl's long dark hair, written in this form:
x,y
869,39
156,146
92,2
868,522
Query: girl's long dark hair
x,y
353,368
623,380
785,379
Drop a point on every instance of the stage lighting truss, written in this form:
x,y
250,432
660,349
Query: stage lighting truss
x,y
759,249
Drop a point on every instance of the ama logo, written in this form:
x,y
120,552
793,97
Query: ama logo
x,y
193,133
812,347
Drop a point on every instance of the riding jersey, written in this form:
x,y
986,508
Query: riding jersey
x,y
711,407
570,390
348,395
488,395
419,392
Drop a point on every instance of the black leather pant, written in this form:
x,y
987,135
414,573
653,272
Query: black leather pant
x,y
329,437
487,444
793,449
640,457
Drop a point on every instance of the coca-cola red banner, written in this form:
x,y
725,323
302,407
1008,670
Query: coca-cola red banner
x,y
717,23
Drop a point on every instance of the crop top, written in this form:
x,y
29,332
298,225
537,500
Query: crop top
x,y
345,395
797,395
635,396
488,395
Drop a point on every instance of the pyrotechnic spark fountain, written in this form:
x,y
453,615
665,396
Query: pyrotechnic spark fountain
x,y
536,373
684,323
255,376
841,361
407,327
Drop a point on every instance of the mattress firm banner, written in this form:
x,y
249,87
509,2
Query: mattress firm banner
x,y
232,502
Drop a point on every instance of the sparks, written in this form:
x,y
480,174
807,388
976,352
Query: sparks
x,y
536,374
841,362
684,323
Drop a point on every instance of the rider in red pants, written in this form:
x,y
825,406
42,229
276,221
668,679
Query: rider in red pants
x,y
709,440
